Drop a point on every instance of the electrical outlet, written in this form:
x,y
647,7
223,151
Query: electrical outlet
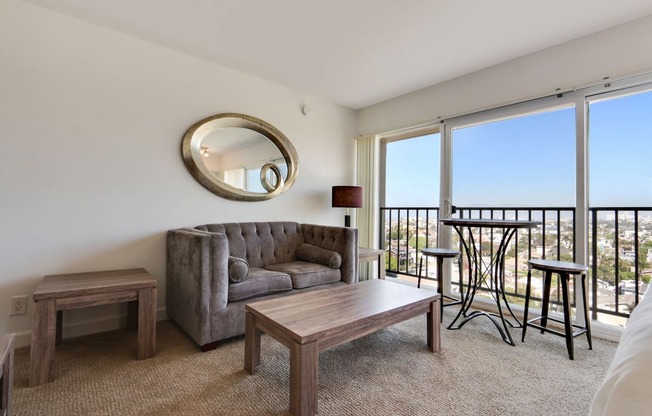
x,y
18,305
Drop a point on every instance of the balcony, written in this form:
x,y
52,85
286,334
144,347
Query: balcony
x,y
619,247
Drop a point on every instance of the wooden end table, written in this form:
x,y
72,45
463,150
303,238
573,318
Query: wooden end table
x,y
7,379
57,293
366,255
311,322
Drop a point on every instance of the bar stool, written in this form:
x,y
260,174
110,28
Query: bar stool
x,y
440,254
564,269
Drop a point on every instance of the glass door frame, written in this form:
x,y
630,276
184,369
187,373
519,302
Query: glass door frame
x,y
579,97
522,109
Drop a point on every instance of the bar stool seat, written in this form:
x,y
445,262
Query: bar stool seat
x,y
565,270
440,254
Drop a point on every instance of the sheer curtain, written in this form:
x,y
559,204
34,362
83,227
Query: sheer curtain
x,y
367,176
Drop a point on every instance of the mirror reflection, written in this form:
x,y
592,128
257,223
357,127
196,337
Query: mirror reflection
x,y
240,157
236,155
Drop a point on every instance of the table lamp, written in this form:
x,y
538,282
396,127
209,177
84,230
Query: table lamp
x,y
347,197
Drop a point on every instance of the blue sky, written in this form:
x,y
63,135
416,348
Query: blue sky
x,y
621,151
530,161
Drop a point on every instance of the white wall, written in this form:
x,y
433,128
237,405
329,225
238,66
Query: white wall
x,y
91,174
625,49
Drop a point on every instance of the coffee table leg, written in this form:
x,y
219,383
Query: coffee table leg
x,y
252,343
146,323
44,328
433,322
304,368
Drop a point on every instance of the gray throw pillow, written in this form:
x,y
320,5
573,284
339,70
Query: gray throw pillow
x,y
314,254
238,269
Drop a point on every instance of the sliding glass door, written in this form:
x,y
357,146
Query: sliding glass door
x,y
576,161
411,194
620,145
517,165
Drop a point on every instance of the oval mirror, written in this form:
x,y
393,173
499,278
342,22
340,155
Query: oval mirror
x,y
240,157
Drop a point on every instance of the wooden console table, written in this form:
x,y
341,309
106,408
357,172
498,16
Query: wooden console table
x,y
7,380
57,293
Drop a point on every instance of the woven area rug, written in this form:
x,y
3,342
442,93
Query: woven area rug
x,y
390,372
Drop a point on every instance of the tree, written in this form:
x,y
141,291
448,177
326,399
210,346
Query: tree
x,y
421,241
643,249
606,268
396,234
391,263
566,257
625,270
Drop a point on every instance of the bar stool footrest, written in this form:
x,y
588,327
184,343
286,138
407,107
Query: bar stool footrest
x,y
582,330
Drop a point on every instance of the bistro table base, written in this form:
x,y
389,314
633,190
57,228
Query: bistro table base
x,y
504,333
489,275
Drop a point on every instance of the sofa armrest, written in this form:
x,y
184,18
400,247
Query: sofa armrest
x,y
343,240
197,279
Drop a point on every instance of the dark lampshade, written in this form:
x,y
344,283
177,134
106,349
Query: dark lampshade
x,y
347,196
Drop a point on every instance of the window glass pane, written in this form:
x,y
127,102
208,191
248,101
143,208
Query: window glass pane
x,y
412,172
522,161
620,148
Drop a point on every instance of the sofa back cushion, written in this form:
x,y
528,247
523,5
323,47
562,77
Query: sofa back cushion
x,y
314,254
260,243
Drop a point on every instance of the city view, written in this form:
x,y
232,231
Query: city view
x,y
618,242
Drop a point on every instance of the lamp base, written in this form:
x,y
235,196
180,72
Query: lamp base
x,y
347,220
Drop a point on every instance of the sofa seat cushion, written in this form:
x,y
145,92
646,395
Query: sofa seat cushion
x,y
260,282
304,274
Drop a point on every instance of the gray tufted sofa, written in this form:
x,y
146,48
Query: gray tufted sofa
x,y
213,270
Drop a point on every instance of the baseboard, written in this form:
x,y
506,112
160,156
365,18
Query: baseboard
x,y
22,339
78,329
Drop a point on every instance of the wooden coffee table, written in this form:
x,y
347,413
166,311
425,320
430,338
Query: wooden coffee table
x,y
57,293
314,321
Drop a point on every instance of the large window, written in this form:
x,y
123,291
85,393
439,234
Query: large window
x,y
620,137
412,178
412,172
577,161
527,160
620,145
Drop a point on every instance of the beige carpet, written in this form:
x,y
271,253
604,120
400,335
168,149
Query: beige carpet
x,y
387,373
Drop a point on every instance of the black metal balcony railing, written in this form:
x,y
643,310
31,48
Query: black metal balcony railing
x,y
620,250
619,240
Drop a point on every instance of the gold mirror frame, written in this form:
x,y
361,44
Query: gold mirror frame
x,y
192,156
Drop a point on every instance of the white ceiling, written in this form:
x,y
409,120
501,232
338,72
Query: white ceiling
x,y
356,52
